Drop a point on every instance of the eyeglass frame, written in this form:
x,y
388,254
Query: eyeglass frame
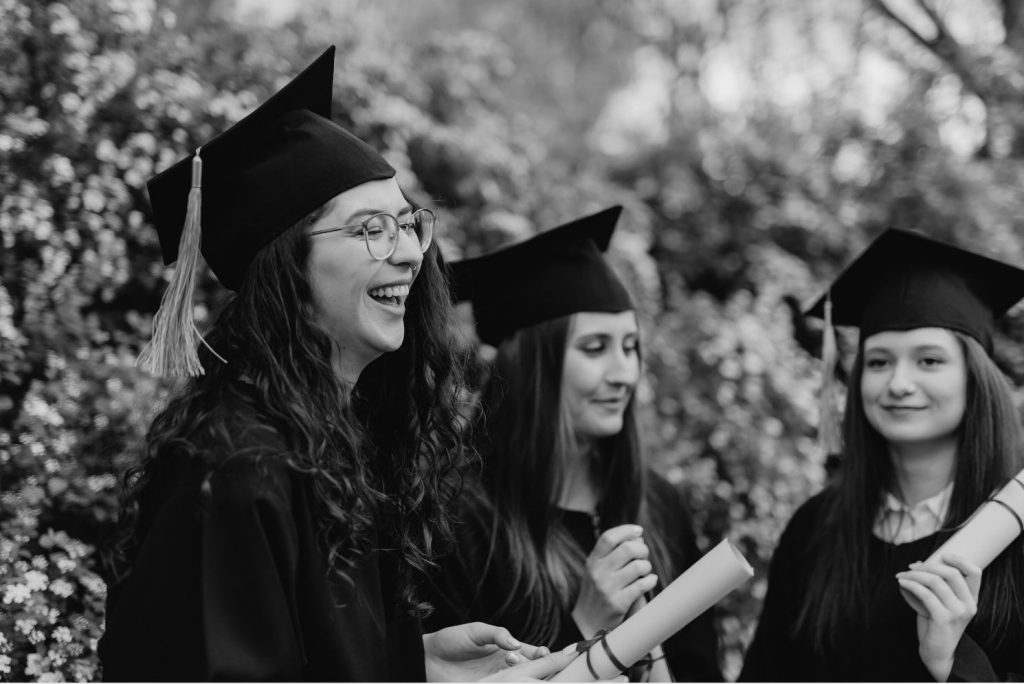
x,y
399,225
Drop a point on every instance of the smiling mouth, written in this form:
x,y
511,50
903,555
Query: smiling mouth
x,y
610,402
391,295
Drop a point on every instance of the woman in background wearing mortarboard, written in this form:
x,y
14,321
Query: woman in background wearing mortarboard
x,y
294,490
566,529
930,431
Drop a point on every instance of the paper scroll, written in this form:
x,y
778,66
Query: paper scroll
x,y
991,528
704,584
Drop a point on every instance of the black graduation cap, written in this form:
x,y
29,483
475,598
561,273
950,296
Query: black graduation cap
x,y
262,175
555,273
242,189
906,280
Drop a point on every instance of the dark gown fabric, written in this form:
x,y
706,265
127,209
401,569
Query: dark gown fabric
x,y
887,650
471,586
229,582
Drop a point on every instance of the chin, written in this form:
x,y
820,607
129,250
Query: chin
x,y
912,436
604,429
389,341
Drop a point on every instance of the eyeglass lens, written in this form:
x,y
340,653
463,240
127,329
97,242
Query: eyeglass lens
x,y
382,232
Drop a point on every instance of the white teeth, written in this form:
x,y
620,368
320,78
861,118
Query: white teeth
x,y
391,291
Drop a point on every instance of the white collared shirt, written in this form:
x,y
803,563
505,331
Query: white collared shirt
x,y
898,523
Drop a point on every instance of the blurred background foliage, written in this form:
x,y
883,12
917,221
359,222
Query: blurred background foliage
x,y
756,144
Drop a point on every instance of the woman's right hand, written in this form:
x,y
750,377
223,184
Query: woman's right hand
x,y
947,599
535,670
618,573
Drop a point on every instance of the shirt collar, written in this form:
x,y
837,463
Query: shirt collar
x,y
937,505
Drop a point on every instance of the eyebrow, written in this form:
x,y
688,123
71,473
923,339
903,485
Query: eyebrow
x,y
918,348
368,211
603,335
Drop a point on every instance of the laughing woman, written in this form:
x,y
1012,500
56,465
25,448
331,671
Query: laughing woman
x,y
294,489
930,432
567,531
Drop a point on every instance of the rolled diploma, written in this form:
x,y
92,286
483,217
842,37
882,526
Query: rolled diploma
x,y
990,529
704,584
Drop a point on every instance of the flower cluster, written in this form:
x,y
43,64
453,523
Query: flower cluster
x,y
51,605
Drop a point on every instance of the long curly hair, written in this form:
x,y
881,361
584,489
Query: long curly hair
x,y
524,433
384,463
989,453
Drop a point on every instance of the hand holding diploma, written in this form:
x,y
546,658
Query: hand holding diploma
x,y
617,574
704,584
943,590
992,528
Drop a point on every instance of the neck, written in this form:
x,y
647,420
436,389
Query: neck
x,y
579,491
348,367
922,470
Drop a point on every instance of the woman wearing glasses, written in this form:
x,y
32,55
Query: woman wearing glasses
x,y
568,530
296,488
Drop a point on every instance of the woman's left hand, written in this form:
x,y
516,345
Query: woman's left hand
x,y
472,651
946,596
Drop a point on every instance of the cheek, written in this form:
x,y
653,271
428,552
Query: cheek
x,y
580,376
869,388
958,395
334,282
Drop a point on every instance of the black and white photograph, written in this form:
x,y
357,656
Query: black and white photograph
x,y
511,340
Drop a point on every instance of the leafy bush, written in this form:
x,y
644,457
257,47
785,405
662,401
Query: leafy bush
x,y
506,118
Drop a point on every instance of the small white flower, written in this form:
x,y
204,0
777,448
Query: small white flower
x,y
36,637
40,562
17,593
66,565
94,585
62,588
36,580
50,677
25,625
5,664
62,635
56,658
34,665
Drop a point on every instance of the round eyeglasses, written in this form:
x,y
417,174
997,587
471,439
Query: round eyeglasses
x,y
380,232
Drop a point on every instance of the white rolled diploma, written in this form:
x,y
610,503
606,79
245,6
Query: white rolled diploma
x,y
991,528
704,584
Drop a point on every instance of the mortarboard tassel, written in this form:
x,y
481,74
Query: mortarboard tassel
x,y
172,350
829,435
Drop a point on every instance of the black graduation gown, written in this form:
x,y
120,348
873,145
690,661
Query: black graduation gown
x,y
468,589
230,583
888,651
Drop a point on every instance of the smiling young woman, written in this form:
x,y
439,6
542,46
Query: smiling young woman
x,y
566,530
930,431
296,488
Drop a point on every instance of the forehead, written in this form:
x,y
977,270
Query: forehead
x,y
895,340
373,196
600,322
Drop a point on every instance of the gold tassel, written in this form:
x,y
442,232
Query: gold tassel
x,y
829,434
173,350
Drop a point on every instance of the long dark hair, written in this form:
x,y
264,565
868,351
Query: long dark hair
x,y
989,453
384,463
524,435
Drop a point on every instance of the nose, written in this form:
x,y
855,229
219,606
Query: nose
x,y
623,368
407,251
901,383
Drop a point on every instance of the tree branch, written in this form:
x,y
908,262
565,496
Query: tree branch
x,y
884,9
943,46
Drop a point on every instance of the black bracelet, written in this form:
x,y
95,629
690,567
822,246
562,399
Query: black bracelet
x,y
590,666
1012,512
611,656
